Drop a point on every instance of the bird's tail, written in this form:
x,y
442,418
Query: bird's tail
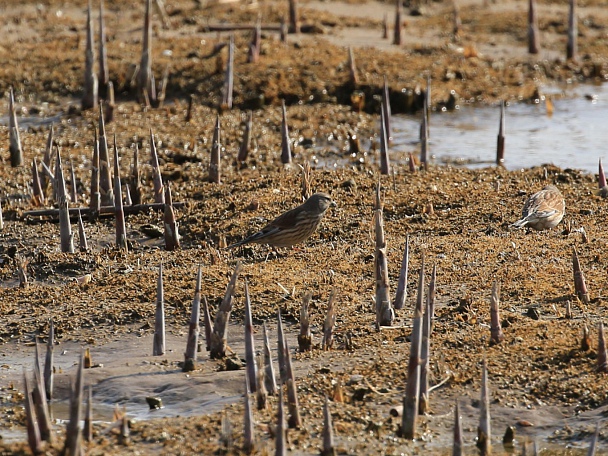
x,y
521,223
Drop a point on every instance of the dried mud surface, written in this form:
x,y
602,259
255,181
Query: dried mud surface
x,y
538,376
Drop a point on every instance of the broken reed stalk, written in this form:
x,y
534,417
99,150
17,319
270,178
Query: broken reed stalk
x,y
135,180
496,335
268,366
36,185
397,30
87,431
601,182
330,321
281,349
193,328
158,347
385,314
48,362
219,344
283,30
295,419
425,354
432,293
15,149
429,106
285,142
83,245
90,98
215,158
352,68
386,106
65,228
484,435
110,103
261,392
250,365
424,137
456,21
411,398
305,336
95,202
329,448
458,444
33,431
500,141
385,27
306,181
256,43
170,224
294,17
229,77
145,85
246,141
580,287
281,444
121,229
46,160
104,72
72,432
208,323
602,354
385,167
162,88
572,46
157,179
73,188
40,401
248,432
401,293
105,175
533,32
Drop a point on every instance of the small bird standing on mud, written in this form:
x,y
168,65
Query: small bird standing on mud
x,y
294,226
543,210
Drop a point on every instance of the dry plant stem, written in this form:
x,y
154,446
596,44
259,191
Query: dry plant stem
x,y
103,211
246,142
429,106
458,444
104,73
145,85
250,365
484,435
594,441
572,47
268,366
425,354
533,32
294,17
215,158
496,335
330,321
162,89
261,392
46,160
601,182
110,103
121,229
580,288
33,432
36,184
431,296
95,202
586,340
105,175
248,432
15,149
90,98
295,420
82,237
72,432
385,167
283,30
285,142
170,225
385,314
457,22
306,181
385,27
352,68
193,328
424,138
73,187
158,347
412,388
87,431
65,228
305,336
48,361
281,444
229,77
256,42
208,323
40,402
386,106
328,432
397,30
281,349
500,141
135,181
128,200
157,180
219,342
602,354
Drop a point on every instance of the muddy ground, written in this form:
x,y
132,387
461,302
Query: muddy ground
x,y
541,381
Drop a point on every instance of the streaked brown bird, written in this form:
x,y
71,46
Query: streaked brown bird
x,y
543,210
294,226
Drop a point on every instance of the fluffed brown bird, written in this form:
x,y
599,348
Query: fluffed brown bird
x,y
294,226
543,210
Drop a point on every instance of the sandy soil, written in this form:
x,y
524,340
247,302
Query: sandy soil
x,y
538,376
